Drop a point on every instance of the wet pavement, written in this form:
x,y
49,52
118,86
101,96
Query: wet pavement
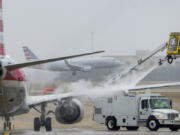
x,y
76,131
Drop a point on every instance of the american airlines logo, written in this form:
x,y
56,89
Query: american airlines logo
x,y
28,55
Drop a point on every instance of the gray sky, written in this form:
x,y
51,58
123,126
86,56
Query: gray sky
x,y
54,28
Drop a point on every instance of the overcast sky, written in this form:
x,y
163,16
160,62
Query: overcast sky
x,y
53,28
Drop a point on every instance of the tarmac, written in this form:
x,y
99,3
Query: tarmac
x,y
77,131
23,124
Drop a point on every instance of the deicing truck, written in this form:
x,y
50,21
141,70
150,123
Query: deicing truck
x,y
133,111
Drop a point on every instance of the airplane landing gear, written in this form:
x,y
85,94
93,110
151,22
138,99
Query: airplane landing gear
x,y
48,124
7,123
38,123
43,121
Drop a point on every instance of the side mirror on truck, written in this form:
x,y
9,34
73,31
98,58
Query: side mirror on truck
x,y
171,104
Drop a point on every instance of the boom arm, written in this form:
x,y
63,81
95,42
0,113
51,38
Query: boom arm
x,y
139,62
151,54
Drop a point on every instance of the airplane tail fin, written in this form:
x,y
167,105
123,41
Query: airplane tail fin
x,y
29,55
2,49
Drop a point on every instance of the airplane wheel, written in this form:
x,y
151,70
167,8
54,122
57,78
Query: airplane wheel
x,y
48,124
4,126
37,124
9,125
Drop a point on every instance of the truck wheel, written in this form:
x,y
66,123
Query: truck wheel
x,y
132,128
153,124
111,124
117,128
174,128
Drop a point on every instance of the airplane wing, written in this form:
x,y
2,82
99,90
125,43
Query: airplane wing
x,y
36,100
75,67
154,86
27,64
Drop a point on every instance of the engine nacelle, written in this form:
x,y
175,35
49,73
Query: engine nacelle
x,y
69,111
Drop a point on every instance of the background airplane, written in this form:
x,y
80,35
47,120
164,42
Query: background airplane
x,y
79,64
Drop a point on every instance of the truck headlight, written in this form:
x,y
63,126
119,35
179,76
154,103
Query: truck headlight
x,y
161,116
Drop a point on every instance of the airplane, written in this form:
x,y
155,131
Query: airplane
x,y
15,100
75,65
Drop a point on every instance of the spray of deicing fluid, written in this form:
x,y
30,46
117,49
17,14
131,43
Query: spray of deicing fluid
x,y
86,88
38,80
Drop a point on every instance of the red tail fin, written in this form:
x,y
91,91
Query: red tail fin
x,y
2,50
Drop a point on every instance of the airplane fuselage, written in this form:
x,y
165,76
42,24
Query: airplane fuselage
x,y
93,63
12,91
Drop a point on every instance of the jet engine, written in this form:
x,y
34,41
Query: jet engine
x,y
69,111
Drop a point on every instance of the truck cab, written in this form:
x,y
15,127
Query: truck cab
x,y
157,111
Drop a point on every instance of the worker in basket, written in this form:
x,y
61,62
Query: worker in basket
x,y
173,47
